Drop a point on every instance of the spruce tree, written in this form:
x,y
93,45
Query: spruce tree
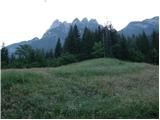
x,y
107,41
98,35
120,49
76,40
143,43
58,49
67,43
155,40
154,52
72,42
4,56
87,43
98,49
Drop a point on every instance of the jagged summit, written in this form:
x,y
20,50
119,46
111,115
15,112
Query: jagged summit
x,y
85,20
76,20
93,21
65,22
58,29
55,24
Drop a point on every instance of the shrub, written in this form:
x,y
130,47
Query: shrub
x,y
65,59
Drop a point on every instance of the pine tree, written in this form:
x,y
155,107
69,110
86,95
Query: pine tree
x,y
72,42
49,54
76,39
67,43
154,56
87,43
120,49
155,40
39,58
98,35
154,52
114,36
143,43
4,56
12,58
107,41
98,49
58,49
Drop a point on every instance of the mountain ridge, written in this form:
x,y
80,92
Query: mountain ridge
x,y
137,27
60,30
57,30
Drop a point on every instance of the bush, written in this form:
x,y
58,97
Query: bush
x,y
62,60
65,59
153,56
98,49
136,55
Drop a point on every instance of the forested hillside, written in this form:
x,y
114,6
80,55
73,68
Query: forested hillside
x,y
103,42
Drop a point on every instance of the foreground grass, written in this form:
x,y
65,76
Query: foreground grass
x,y
100,88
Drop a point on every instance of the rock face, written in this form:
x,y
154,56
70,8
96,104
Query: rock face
x,y
137,27
57,30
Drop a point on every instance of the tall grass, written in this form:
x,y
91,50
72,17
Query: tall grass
x,y
100,88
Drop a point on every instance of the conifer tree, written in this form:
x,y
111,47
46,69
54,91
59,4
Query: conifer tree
x,y
4,56
98,49
58,49
155,40
143,43
98,35
76,40
72,42
87,43
67,43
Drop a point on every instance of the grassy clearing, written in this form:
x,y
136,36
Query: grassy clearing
x,y
100,88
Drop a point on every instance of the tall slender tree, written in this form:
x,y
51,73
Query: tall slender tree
x,y
87,43
155,40
143,43
58,49
4,56
98,35
72,42
107,41
67,43
76,39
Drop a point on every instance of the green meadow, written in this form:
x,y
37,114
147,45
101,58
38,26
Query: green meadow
x,y
98,88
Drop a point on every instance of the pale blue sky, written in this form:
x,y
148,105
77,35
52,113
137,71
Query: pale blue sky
x,y
24,19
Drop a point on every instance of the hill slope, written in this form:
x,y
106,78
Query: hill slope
x,y
99,88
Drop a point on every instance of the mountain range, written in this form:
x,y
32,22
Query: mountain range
x,y
60,30
57,30
137,27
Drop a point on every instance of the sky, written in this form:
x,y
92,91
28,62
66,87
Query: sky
x,y
25,19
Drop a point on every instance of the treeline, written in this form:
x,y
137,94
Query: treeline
x,y
104,42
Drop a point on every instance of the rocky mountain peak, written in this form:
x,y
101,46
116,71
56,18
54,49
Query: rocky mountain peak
x,y
76,20
85,20
93,21
55,24
57,30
